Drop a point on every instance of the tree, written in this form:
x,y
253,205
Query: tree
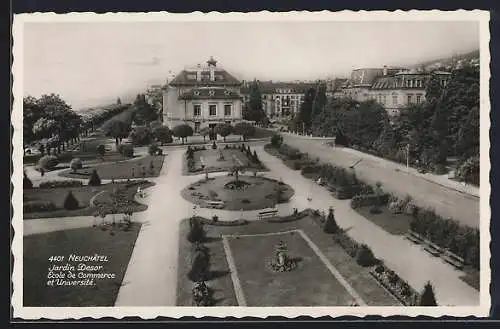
x,y
276,140
305,114
94,179
141,135
118,101
182,131
204,132
144,112
48,162
319,101
253,110
428,298
163,135
244,129
224,129
118,130
75,164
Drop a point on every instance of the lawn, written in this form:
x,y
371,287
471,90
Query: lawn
x,y
259,192
397,224
83,194
215,163
84,242
147,166
253,252
309,284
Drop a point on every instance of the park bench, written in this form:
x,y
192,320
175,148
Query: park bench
x,y
452,259
268,213
432,248
414,237
215,204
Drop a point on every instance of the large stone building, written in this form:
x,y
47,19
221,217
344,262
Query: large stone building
x,y
202,96
280,100
393,88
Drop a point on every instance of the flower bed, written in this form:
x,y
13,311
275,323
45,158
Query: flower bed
x,y
60,183
395,285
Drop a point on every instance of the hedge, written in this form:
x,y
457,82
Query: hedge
x,y
38,206
60,183
366,200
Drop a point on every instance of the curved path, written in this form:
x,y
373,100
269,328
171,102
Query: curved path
x,y
151,277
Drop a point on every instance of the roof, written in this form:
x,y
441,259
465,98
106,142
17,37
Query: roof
x,y
210,93
270,87
188,78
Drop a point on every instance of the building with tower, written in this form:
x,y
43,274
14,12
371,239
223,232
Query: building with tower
x,y
202,96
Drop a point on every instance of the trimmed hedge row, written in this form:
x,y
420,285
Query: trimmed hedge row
x,y
60,183
38,206
365,200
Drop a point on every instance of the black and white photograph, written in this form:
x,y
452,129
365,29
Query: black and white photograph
x,y
251,164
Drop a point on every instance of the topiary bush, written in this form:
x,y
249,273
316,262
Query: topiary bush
x,y
330,225
196,231
94,179
365,256
214,146
199,266
70,202
101,149
48,162
428,298
76,164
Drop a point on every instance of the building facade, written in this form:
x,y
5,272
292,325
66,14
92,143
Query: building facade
x,y
393,88
280,100
203,96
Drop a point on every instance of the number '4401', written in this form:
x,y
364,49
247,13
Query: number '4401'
x,y
56,258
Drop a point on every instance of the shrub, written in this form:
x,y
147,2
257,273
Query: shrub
x,y
94,179
70,202
276,140
101,149
141,135
60,183
48,162
38,206
369,200
163,134
75,164
127,150
196,231
27,183
214,146
428,298
153,149
330,225
212,194
365,256
440,169
199,266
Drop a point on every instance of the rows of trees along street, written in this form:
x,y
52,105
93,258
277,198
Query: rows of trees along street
x,y
443,127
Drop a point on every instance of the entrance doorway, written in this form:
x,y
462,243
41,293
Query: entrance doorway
x,y
212,135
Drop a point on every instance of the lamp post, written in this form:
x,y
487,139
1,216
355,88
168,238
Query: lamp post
x,y
408,157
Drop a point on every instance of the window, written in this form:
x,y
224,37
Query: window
x,y
383,99
197,110
419,97
409,98
212,110
395,99
227,109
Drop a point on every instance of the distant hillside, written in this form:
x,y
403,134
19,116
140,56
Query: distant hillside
x,y
470,58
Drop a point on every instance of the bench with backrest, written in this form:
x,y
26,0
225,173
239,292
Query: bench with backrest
x,y
414,237
214,204
452,259
268,213
432,248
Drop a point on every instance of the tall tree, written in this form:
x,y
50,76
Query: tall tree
x,y
253,110
306,108
144,112
319,101
428,298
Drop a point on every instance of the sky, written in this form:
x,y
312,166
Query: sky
x,y
89,63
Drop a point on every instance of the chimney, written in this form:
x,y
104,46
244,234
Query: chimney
x,y
211,65
385,70
198,72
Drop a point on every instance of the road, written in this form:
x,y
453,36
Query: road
x,y
446,201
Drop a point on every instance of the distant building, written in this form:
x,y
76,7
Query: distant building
x,y
279,99
202,96
393,88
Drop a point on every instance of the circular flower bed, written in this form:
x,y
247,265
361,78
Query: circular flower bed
x,y
244,193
